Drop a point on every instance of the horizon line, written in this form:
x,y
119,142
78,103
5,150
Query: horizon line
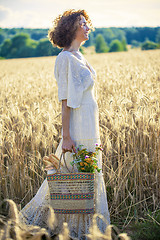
x,y
158,26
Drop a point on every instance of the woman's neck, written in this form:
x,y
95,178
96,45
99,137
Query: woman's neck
x,y
75,45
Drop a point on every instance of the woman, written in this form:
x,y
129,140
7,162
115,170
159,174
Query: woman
x,y
80,123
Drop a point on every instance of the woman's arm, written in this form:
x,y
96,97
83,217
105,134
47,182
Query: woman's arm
x,y
68,143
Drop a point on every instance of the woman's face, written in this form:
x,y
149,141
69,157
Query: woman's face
x,y
82,31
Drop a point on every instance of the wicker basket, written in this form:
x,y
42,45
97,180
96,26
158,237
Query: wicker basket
x,y
71,193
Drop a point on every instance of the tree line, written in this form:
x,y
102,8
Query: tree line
x,y
21,46
21,42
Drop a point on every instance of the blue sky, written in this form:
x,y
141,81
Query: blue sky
x,y
103,13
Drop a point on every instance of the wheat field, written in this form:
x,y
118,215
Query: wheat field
x,y
128,94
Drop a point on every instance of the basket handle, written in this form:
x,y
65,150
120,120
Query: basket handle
x,y
63,155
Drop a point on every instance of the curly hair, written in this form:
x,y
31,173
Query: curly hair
x,y
65,26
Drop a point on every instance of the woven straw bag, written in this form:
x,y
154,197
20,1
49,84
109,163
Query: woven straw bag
x,y
71,193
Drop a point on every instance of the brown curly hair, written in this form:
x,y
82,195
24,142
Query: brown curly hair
x,y
65,26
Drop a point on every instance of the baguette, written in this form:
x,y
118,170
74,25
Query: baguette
x,y
51,161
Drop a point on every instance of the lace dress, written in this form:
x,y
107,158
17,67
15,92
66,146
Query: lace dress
x,y
75,78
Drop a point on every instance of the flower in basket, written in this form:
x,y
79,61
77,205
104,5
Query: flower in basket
x,y
86,161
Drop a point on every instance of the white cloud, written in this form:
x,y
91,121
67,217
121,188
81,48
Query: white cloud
x,y
28,19
4,13
103,13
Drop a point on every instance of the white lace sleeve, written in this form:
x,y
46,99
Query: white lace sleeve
x,y
67,74
61,75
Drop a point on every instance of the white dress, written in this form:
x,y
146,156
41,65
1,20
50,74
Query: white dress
x,y
75,78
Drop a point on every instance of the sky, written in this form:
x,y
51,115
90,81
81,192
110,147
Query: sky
x,y
103,13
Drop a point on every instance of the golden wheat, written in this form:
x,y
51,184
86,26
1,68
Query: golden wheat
x,y
128,95
12,228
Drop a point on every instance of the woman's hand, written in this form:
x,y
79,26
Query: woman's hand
x,y
68,145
